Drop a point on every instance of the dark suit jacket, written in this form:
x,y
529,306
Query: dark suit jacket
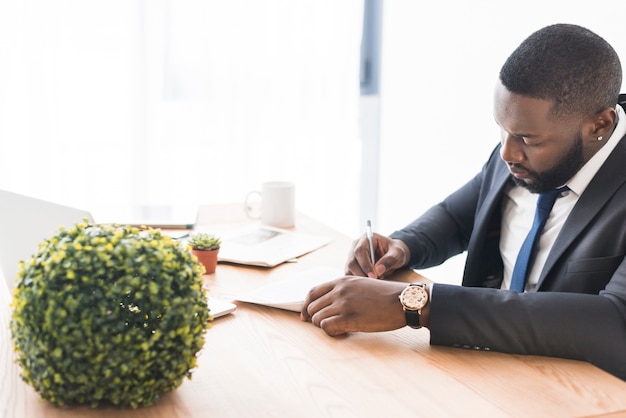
x,y
579,309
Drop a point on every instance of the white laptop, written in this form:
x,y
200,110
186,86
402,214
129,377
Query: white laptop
x,y
26,221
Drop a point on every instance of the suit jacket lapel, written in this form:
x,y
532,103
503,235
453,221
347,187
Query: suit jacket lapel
x,y
608,179
478,269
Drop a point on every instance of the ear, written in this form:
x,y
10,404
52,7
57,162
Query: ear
x,y
602,124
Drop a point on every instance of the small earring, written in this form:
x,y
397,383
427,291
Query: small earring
x,y
600,138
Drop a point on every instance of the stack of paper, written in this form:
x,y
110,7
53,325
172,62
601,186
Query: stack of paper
x,y
289,293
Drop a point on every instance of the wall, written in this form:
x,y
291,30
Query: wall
x,y
440,62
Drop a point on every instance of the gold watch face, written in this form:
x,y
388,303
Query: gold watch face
x,y
414,298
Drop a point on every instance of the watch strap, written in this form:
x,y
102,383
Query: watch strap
x,y
412,318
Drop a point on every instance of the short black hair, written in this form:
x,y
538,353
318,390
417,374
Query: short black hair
x,y
568,64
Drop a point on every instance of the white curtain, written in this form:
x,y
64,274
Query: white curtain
x,y
69,101
106,105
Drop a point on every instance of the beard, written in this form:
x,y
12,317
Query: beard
x,y
557,176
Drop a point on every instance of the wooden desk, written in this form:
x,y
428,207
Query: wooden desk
x,y
263,362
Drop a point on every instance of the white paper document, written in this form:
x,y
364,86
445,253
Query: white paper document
x,y
220,307
289,292
265,246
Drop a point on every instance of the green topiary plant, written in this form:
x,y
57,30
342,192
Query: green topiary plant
x,y
108,314
203,241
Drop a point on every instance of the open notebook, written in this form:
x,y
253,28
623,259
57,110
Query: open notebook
x,y
263,246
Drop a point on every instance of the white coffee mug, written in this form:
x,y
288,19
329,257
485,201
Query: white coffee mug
x,y
278,199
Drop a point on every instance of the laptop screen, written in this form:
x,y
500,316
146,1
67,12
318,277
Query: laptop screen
x,y
24,223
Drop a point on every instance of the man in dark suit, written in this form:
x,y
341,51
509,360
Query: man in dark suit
x,y
563,134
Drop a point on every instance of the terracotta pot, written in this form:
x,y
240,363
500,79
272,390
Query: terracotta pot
x,y
208,259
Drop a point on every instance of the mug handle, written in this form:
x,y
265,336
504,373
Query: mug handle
x,y
248,208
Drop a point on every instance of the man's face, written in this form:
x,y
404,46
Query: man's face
x,y
542,152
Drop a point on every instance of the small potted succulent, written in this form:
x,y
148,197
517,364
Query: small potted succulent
x,y
104,314
205,247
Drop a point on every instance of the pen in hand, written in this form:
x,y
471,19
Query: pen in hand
x,y
370,237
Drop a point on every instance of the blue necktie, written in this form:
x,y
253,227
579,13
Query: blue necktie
x,y
545,201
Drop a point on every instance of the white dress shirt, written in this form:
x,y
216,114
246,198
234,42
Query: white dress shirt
x,y
518,211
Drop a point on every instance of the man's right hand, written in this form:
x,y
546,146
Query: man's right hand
x,y
390,255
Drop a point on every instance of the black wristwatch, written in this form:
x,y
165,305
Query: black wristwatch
x,y
413,300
